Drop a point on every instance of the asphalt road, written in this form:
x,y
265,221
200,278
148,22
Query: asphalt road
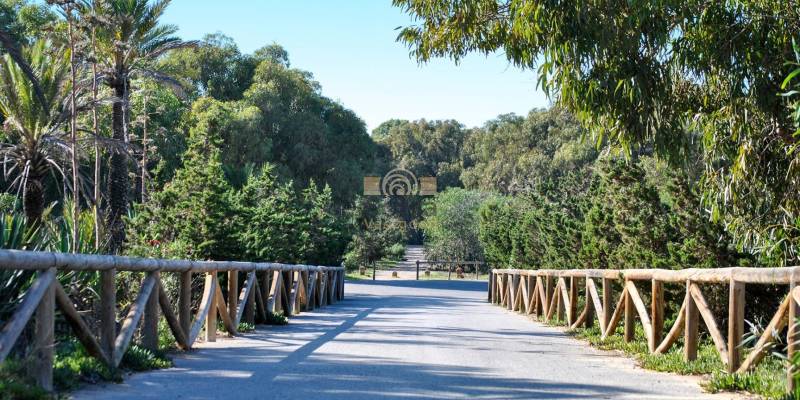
x,y
403,340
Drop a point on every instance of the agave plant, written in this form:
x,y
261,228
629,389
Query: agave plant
x,y
17,234
35,142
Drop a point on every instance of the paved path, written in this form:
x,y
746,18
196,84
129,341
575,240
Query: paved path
x,y
402,340
406,269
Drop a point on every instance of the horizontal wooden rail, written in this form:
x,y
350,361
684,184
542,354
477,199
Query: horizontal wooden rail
x,y
268,288
549,294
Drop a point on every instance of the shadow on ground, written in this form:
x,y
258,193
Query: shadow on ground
x,y
289,362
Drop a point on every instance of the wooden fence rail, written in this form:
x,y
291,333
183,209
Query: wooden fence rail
x,y
555,294
280,287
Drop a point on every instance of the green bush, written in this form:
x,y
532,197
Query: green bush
x,y
396,251
276,319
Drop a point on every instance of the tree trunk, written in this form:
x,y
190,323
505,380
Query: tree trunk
x,y
33,200
119,180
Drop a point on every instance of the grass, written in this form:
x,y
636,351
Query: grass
x,y
768,379
355,276
442,275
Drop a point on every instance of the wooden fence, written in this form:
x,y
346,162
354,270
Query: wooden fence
x,y
268,287
450,264
556,293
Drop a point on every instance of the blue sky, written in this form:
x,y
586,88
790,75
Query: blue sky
x,y
350,47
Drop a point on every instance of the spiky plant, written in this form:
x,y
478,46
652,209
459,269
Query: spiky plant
x,y
35,143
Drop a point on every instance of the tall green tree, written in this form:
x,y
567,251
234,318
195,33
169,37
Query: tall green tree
x,y
194,215
128,42
657,77
451,225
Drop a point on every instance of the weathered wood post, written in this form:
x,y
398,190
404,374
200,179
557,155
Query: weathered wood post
x,y
691,327
185,301
792,336
560,301
211,318
630,329
233,293
656,311
44,338
490,294
548,292
608,302
572,314
735,324
150,322
108,312
417,269
590,309
250,305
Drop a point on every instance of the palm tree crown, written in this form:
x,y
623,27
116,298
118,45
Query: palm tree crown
x,y
35,140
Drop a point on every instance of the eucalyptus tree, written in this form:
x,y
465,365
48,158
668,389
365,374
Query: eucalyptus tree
x,y
128,42
36,142
657,76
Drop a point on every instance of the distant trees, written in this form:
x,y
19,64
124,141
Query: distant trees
x,y
451,225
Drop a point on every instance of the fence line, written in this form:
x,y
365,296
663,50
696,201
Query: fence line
x,y
549,294
281,287
450,264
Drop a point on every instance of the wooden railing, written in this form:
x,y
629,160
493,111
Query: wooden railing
x,y
451,264
269,287
556,293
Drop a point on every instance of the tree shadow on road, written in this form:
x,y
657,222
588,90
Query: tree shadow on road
x,y
293,361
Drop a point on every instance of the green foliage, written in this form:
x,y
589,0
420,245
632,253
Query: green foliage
x,y
512,153
396,251
14,385
609,214
138,358
767,379
658,77
278,224
33,133
195,209
451,225
276,319
375,231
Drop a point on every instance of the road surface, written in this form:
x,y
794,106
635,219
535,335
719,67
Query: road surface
x,y
403,340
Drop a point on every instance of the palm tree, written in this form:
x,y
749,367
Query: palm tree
x,y
128,42
36,142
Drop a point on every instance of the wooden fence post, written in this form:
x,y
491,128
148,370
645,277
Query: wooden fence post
x,y
590,309
150,322
608,302
630,311
211,318
792,337
233,293
657,311
573,301
185,301
250,305
735,324
690,336
548,293
44,339
108,312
